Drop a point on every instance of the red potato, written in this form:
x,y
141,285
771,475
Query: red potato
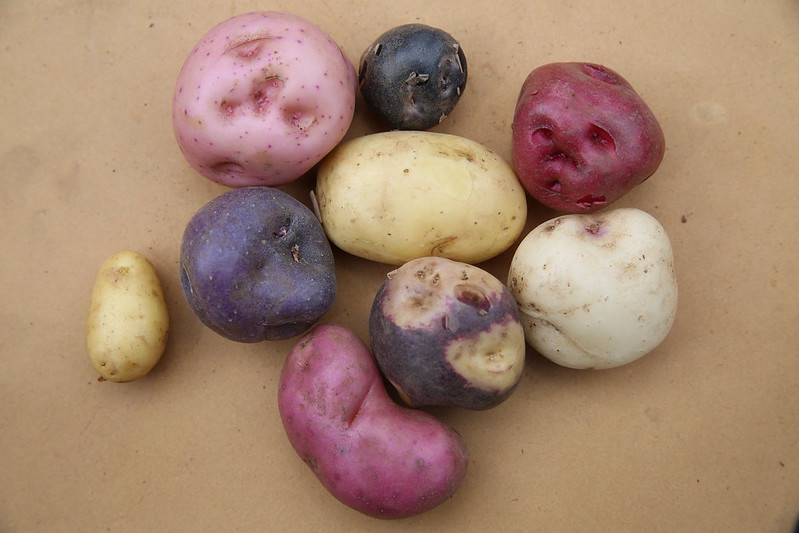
x,y
261,98
373,455
582,137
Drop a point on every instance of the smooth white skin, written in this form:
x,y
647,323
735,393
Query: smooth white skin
x,y
261,99
595,290
396,196
128,321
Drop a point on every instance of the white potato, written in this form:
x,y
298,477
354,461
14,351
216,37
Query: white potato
x,y
595,290
396,196
128,321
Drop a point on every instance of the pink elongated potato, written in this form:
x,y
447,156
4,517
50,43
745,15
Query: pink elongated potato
x,y
582,137
379,458
261,98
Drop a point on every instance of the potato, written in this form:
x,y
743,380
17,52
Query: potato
x,y
412,76
582,137
382,459
595,290
128,321
447,333
255,265
262,97
400,195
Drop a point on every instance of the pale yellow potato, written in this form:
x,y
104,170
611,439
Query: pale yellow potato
x,y
128,320
396,196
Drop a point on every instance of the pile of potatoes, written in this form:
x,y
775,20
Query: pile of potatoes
x,y
265,97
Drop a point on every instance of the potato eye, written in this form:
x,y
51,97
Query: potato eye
x,y
473,297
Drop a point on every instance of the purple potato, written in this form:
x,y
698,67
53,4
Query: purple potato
x,y
256,265
447,333
412,76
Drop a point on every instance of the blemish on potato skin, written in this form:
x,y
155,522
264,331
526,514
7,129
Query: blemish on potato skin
x,y
312,462
552,225
295,253
529,308
473,297
445,323
440,246
589,202
594,227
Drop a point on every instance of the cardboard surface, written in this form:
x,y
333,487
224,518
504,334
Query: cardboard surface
x,y
700,435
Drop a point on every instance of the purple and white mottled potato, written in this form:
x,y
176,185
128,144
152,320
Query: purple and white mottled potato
x,y
447,333
262,98
583,137
377,457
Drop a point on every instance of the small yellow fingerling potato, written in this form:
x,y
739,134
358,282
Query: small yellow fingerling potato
x,y
128,321
395,196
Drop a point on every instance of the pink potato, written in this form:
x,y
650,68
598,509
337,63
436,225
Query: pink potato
x,y
382,459
261,99
582,137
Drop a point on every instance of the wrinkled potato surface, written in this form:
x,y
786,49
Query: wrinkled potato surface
x,y
400,195
128,320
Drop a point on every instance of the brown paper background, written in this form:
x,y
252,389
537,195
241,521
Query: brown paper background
x,y
700,435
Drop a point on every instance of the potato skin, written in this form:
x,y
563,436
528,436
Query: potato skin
x,y
447,333
128,320
412,76
595,290
261,98
255,265
377,457
583,137
395,196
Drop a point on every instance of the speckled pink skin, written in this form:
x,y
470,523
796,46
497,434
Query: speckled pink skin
x,y
582,137
373,455
261,99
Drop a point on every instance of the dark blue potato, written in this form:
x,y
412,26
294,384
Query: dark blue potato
x,y
447,333
256,265
412,76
